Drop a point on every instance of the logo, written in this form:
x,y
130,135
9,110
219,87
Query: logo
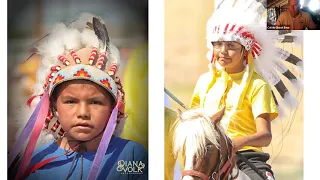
x,y
130,167
269,176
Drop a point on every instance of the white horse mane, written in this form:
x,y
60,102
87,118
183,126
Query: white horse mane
x,y
192,130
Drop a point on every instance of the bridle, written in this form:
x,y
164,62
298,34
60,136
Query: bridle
x,y
219,172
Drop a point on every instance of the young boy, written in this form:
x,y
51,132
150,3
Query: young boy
x,y
243,65
82,102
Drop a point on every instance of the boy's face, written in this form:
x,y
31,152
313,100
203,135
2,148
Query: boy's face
x,y
83,109
228,53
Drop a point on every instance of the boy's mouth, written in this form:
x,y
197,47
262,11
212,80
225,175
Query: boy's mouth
x,y
83,124
224,59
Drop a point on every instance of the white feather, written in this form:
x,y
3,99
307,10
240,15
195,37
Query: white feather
x,y
114,55
72,39
89,38
35,102
209,55
53,45
81,22
281,115
298,41
297,85
290,101
299,67
41,79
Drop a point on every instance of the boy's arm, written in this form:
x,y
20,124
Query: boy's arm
x,y
262,138
264,110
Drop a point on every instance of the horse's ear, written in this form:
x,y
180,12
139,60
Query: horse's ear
x,y
216,117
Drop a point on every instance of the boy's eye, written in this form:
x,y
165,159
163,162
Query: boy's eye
x,y
217,43
96,102
70,102
230,46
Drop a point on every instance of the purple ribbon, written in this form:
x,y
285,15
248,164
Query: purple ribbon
x,y
24,134
103,146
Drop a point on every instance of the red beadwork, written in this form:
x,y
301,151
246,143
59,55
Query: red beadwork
x,y
75,56
255,51
212,58
238,30
64,60
82,73
93,55
55,68
113,67
55,126
106,83
257,46
232,28
48,119
101,59
225,29
61,132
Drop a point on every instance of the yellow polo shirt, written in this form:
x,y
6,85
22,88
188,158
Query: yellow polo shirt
x,y
257,100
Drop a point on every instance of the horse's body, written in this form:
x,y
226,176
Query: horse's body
x,y
206,150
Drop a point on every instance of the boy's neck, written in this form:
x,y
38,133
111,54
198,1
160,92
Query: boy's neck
x,y
234,70
69,143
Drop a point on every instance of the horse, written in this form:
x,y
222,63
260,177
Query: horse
x,y
206,150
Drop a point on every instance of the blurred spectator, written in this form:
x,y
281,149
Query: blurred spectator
x,y
295,18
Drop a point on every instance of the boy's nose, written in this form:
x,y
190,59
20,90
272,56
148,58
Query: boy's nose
x,y
223,48
83,111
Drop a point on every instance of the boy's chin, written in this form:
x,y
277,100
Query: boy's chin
x,y
83,137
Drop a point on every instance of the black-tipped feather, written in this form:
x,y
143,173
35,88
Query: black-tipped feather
x,y
101,31
293,59
89,25
288,74
274,98
281,88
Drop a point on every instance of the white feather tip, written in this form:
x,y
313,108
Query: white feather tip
x,y
290,101
299,67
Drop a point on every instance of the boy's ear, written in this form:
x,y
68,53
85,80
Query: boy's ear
x,y
53,106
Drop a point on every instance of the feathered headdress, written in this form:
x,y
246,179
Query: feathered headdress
x,y
60,53
242,22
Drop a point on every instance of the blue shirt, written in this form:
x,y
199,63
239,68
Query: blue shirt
x,y
124,160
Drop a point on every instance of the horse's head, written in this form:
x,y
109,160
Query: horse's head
x,y
206,150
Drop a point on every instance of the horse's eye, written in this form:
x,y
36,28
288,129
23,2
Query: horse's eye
x,y
209,146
